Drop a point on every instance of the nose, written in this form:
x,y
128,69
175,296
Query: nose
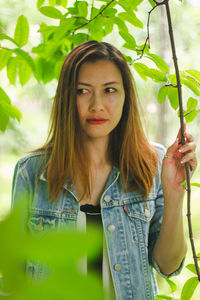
x,y
96,103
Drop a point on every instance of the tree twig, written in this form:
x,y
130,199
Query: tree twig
x,y
147,41
189,112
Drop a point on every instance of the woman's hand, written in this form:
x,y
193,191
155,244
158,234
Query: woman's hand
x,y
173,168
171,247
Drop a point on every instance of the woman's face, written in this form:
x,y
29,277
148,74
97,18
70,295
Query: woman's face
x,y
100,98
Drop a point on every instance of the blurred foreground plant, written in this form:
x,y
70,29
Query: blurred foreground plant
x,y
60,251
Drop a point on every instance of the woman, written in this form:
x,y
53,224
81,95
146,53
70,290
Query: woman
x,y
97,159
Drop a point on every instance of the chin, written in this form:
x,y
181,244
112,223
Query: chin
x,y
97,134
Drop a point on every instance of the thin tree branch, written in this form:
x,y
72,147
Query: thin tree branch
x,y
166,3
99,13
172,85
147,41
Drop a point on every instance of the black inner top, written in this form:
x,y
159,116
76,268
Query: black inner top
x,y
93,217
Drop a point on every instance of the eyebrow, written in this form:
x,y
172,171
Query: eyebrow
x,y
105,84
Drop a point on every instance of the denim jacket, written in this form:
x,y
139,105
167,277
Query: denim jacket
x,y
130,241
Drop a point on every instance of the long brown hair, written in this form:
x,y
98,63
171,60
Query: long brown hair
x,y
128,147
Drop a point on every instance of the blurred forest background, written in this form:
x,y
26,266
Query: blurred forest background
x,y
161,122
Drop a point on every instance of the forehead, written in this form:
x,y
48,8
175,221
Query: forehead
x,y
99,71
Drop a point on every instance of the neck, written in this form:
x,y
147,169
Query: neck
x,y
96,150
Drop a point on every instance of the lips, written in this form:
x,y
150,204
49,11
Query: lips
x,y
96,121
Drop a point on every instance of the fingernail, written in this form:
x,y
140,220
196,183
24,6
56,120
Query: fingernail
x,y
180,150
183,161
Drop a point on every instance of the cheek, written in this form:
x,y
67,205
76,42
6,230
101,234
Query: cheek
x,y
81,108
116,107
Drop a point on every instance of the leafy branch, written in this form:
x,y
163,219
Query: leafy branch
x,y
188,187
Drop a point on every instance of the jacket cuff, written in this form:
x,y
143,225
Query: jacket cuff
x,y
175,273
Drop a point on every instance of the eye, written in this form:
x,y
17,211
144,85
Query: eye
x,y
110,90
82,91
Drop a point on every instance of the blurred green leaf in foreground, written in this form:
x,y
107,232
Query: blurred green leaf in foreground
x,y
60,251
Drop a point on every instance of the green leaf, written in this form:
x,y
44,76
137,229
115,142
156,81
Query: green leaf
x,y
4,97
192,268
4,56
162,94
173,97
23,54
134,4
96,29
197,185
52,3
195,74
191,116
46,70
64,3
24,72
108,27
11,111
7,110
128,59
189,288
141,69
82,9
12,66
172,79
130,41
156,75
40,3
160,63
6,37
21,31
63,30
121,25
191,112
4,119
192,79
183,183
78,38
47,32
172,285
131,18
191,86
152,3
51,12
191,103
129,6
164,297
109,12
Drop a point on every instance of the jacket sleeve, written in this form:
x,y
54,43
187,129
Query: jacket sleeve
x,y
20,190
155,225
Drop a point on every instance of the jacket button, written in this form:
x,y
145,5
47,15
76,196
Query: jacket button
x,y
111,228
117,267
147,213
107,198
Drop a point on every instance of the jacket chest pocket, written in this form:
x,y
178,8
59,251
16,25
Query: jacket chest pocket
x,y
41,221
139,217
